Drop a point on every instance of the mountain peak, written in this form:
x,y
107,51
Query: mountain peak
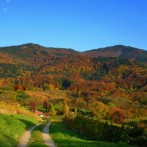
x,y
122,51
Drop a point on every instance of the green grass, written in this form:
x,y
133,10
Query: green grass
x,y
57,106
65,138
12,128
57,118
40,108
36,137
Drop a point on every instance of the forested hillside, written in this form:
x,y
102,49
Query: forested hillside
x,y
120,51
112,76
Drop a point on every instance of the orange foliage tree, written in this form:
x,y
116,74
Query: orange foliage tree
x,y
116,115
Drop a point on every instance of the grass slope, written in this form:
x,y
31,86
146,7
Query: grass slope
x,y
65,138
12,128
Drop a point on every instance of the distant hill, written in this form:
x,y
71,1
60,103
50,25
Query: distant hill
x,y
26,58
37,55
118,51
33,54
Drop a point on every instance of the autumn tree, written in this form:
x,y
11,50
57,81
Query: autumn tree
x,y
65,108
99,109
116,115
32,106
46,105
75,94
81,103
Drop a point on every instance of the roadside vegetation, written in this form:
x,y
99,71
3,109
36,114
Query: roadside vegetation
x,y
66,138
9,107
132,132
14,121
12,128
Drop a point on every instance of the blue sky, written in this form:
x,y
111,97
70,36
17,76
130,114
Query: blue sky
x,y
77,24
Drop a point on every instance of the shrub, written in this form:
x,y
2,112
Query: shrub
x,y
131,132
93,128
134,133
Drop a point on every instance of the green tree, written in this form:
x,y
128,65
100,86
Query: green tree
x,y
111,105
65,83
52,110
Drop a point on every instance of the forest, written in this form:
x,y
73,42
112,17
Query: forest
x,y
104,87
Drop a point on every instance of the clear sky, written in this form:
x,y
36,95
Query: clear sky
x,y
77,24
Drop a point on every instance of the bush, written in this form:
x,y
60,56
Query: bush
x,y
131,132
134,133
92,128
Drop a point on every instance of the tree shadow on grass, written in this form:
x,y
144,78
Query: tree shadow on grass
x,y
60,127
27,123
84,143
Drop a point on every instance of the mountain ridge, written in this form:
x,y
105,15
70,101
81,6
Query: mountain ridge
x,y
119,51
37,54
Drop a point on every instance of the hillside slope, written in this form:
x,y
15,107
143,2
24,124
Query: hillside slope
x,y
36,55
108,75
33,54
14,121
119,51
